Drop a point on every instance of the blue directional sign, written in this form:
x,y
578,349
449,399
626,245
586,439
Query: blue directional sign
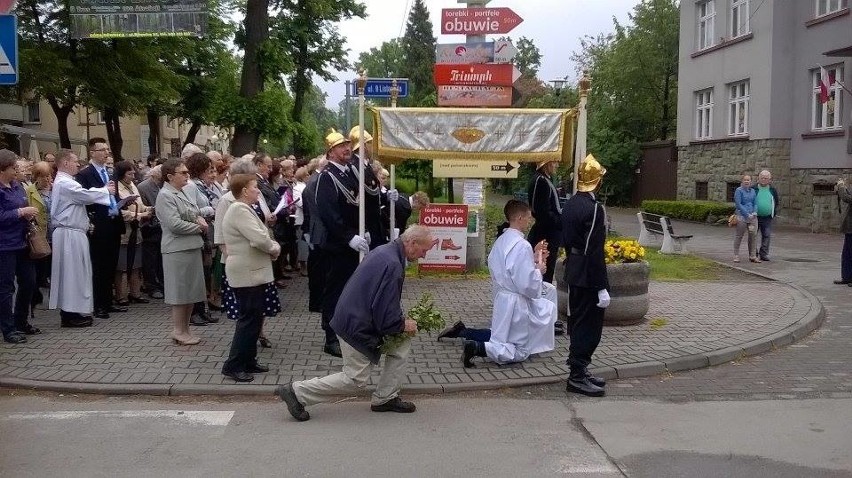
x,y
381,87
8,50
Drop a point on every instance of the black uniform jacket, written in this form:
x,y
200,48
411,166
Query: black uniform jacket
x,y
584,220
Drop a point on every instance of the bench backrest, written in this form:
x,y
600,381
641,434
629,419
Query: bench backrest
x,y
652,223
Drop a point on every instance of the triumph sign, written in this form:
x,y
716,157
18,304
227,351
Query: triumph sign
x,y
476,75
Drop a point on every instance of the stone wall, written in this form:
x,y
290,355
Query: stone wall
x,y
719,163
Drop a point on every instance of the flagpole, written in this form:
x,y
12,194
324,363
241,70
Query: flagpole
x,y
391,204
362,84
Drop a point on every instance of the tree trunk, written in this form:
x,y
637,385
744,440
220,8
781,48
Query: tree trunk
x,y
301,84
113,128
664,129
153,132
450,194
61,113
193,131
251,83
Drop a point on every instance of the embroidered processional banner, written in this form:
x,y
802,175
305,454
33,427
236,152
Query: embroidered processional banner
x,y
530,135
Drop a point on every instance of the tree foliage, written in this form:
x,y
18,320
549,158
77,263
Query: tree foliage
x,y
386,61
418,47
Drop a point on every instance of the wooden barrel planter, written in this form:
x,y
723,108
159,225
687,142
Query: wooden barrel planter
x,y
628,289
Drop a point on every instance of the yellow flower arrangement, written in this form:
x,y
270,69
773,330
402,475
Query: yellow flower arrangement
x,y
625,250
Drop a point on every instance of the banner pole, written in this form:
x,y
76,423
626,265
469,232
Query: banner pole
x,y
362,84
394,92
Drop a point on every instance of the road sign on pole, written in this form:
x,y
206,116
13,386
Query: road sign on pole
x,y
8,50
381,87
478,21
459,168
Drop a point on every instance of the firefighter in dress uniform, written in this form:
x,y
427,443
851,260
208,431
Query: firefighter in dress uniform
x,y
372,189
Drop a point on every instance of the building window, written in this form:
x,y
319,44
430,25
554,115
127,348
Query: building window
x,y
704,114
706,23
824,7
738,94
730,190
824,189
701,190
827,99
33,110
739,18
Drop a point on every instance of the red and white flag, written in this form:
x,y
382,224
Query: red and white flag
x,y
826,81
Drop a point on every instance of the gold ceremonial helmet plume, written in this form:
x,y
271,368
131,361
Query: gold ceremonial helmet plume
x,y
354,137
590,174
333,139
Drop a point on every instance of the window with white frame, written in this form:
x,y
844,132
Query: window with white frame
x,y
706,23
824,7
704,114
739,18
827,110
738,103
33,112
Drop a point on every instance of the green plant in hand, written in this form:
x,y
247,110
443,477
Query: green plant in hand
x,y
428,319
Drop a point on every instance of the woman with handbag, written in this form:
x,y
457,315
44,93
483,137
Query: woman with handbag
x,y
128,274
746,209
15,263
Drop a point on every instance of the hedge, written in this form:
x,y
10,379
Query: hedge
x,y
689,210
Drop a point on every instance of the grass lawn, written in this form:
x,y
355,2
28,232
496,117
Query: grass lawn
x,y
676,267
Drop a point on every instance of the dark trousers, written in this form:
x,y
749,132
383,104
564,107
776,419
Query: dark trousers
x,y
243,354
103,248
764,227
152,261
586,325
340,267
43,267
846,258
479,335
15,265
553,249
316,279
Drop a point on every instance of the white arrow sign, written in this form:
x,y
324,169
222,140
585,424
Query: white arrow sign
x,y
504,51
516,73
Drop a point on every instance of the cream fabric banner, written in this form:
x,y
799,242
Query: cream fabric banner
x,y
530,135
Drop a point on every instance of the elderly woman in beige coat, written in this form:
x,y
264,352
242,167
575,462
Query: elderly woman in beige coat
x,y
181,244
248,267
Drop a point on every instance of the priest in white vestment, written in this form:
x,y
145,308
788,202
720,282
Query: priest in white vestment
x,y
524,315
71,277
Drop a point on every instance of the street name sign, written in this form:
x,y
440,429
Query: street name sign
x,y
501,51
460,95
478,21
459,168
490,74
8,50
381,87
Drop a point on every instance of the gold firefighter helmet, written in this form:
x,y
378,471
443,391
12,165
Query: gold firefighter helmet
x,y
542,164
333,139
590,174
353,137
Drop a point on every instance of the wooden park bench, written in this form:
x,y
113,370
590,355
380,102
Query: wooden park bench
x,y
653,227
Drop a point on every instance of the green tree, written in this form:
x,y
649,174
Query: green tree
x,y
528,58
386,61
418,47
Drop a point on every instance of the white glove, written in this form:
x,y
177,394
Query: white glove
x,y
368,238
603,299
359,244
393,194
307,238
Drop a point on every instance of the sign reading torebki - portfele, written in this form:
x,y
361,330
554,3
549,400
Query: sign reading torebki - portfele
x,y
137,18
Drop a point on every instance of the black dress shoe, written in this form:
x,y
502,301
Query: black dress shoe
x,y
209,318
559,328
122,303
452,331
197,320
599,381
288,396
584,387
77,322
15,339
841,281
394,405
472,349
333,349
257,368
264,342
239,376
138,300
117,309
101,314
29,330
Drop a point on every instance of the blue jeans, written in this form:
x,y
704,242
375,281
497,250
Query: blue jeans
x,y
846,259
15,265
479,335
764,227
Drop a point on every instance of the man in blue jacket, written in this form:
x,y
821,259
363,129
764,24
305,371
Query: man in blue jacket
x,y
367,311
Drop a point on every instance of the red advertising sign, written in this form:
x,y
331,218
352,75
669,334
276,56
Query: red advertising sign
x,y
478,21
489,74
500,96
448,225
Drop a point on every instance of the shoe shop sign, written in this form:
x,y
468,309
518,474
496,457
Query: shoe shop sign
x,y
448,223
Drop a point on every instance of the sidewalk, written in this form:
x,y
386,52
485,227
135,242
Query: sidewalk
x,y
705,323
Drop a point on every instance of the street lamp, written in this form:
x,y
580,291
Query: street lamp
x,y
559,83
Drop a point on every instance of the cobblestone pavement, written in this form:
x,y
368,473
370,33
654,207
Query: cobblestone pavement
x,y
704,323
820,365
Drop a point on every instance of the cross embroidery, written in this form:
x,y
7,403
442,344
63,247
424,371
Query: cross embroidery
x,y
500,133
540,135
522,134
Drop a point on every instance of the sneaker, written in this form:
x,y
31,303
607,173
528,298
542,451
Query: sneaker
x,y
288,396
394,405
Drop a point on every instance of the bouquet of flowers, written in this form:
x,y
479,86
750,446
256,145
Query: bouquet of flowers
x,y
625,250
427,317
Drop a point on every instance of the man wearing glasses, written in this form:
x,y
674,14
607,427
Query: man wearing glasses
x,y
105,233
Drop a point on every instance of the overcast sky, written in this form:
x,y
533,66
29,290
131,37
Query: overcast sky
x,y
554,25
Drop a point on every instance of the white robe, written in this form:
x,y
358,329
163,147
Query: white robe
x,y
524,305
71,276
